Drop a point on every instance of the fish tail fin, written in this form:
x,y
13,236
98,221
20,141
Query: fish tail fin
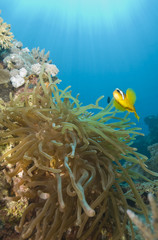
x,y
136,115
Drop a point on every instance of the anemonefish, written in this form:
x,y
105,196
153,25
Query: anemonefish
x,y
125,101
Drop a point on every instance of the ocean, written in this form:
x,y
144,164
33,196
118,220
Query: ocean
x,y
97,45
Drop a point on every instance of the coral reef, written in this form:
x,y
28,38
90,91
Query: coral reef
x,y
152,163
142,142
147,232
4,76
49,69
67,162
152,123
5,90
6,37
20,63
148,145
10,211
154,153
40,56
7,213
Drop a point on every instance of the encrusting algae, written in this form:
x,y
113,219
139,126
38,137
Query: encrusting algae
x,y
68,164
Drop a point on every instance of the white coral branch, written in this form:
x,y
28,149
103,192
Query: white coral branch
x,y
146,231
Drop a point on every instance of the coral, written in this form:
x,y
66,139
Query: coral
x,y
26,50
142,143
14,210
153,161
3,183
10,213
17,44
4,76
14,61
41,57
154,152
6,37
5,91
17,81
23,72
7,221
19,58
18,77
36,68
152,123
1,65
49,69
67,163
147,232
21,63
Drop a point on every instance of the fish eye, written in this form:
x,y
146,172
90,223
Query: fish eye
x,y
118,90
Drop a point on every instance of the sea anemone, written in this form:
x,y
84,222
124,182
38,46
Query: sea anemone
x,y
68,163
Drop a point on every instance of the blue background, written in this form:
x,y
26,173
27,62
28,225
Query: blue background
x,y
97,45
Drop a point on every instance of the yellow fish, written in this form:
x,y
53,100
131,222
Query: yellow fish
x,y
125,102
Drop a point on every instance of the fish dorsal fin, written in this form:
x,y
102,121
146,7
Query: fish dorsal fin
x,y
131,96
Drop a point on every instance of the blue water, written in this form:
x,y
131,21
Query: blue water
x,y
97,45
